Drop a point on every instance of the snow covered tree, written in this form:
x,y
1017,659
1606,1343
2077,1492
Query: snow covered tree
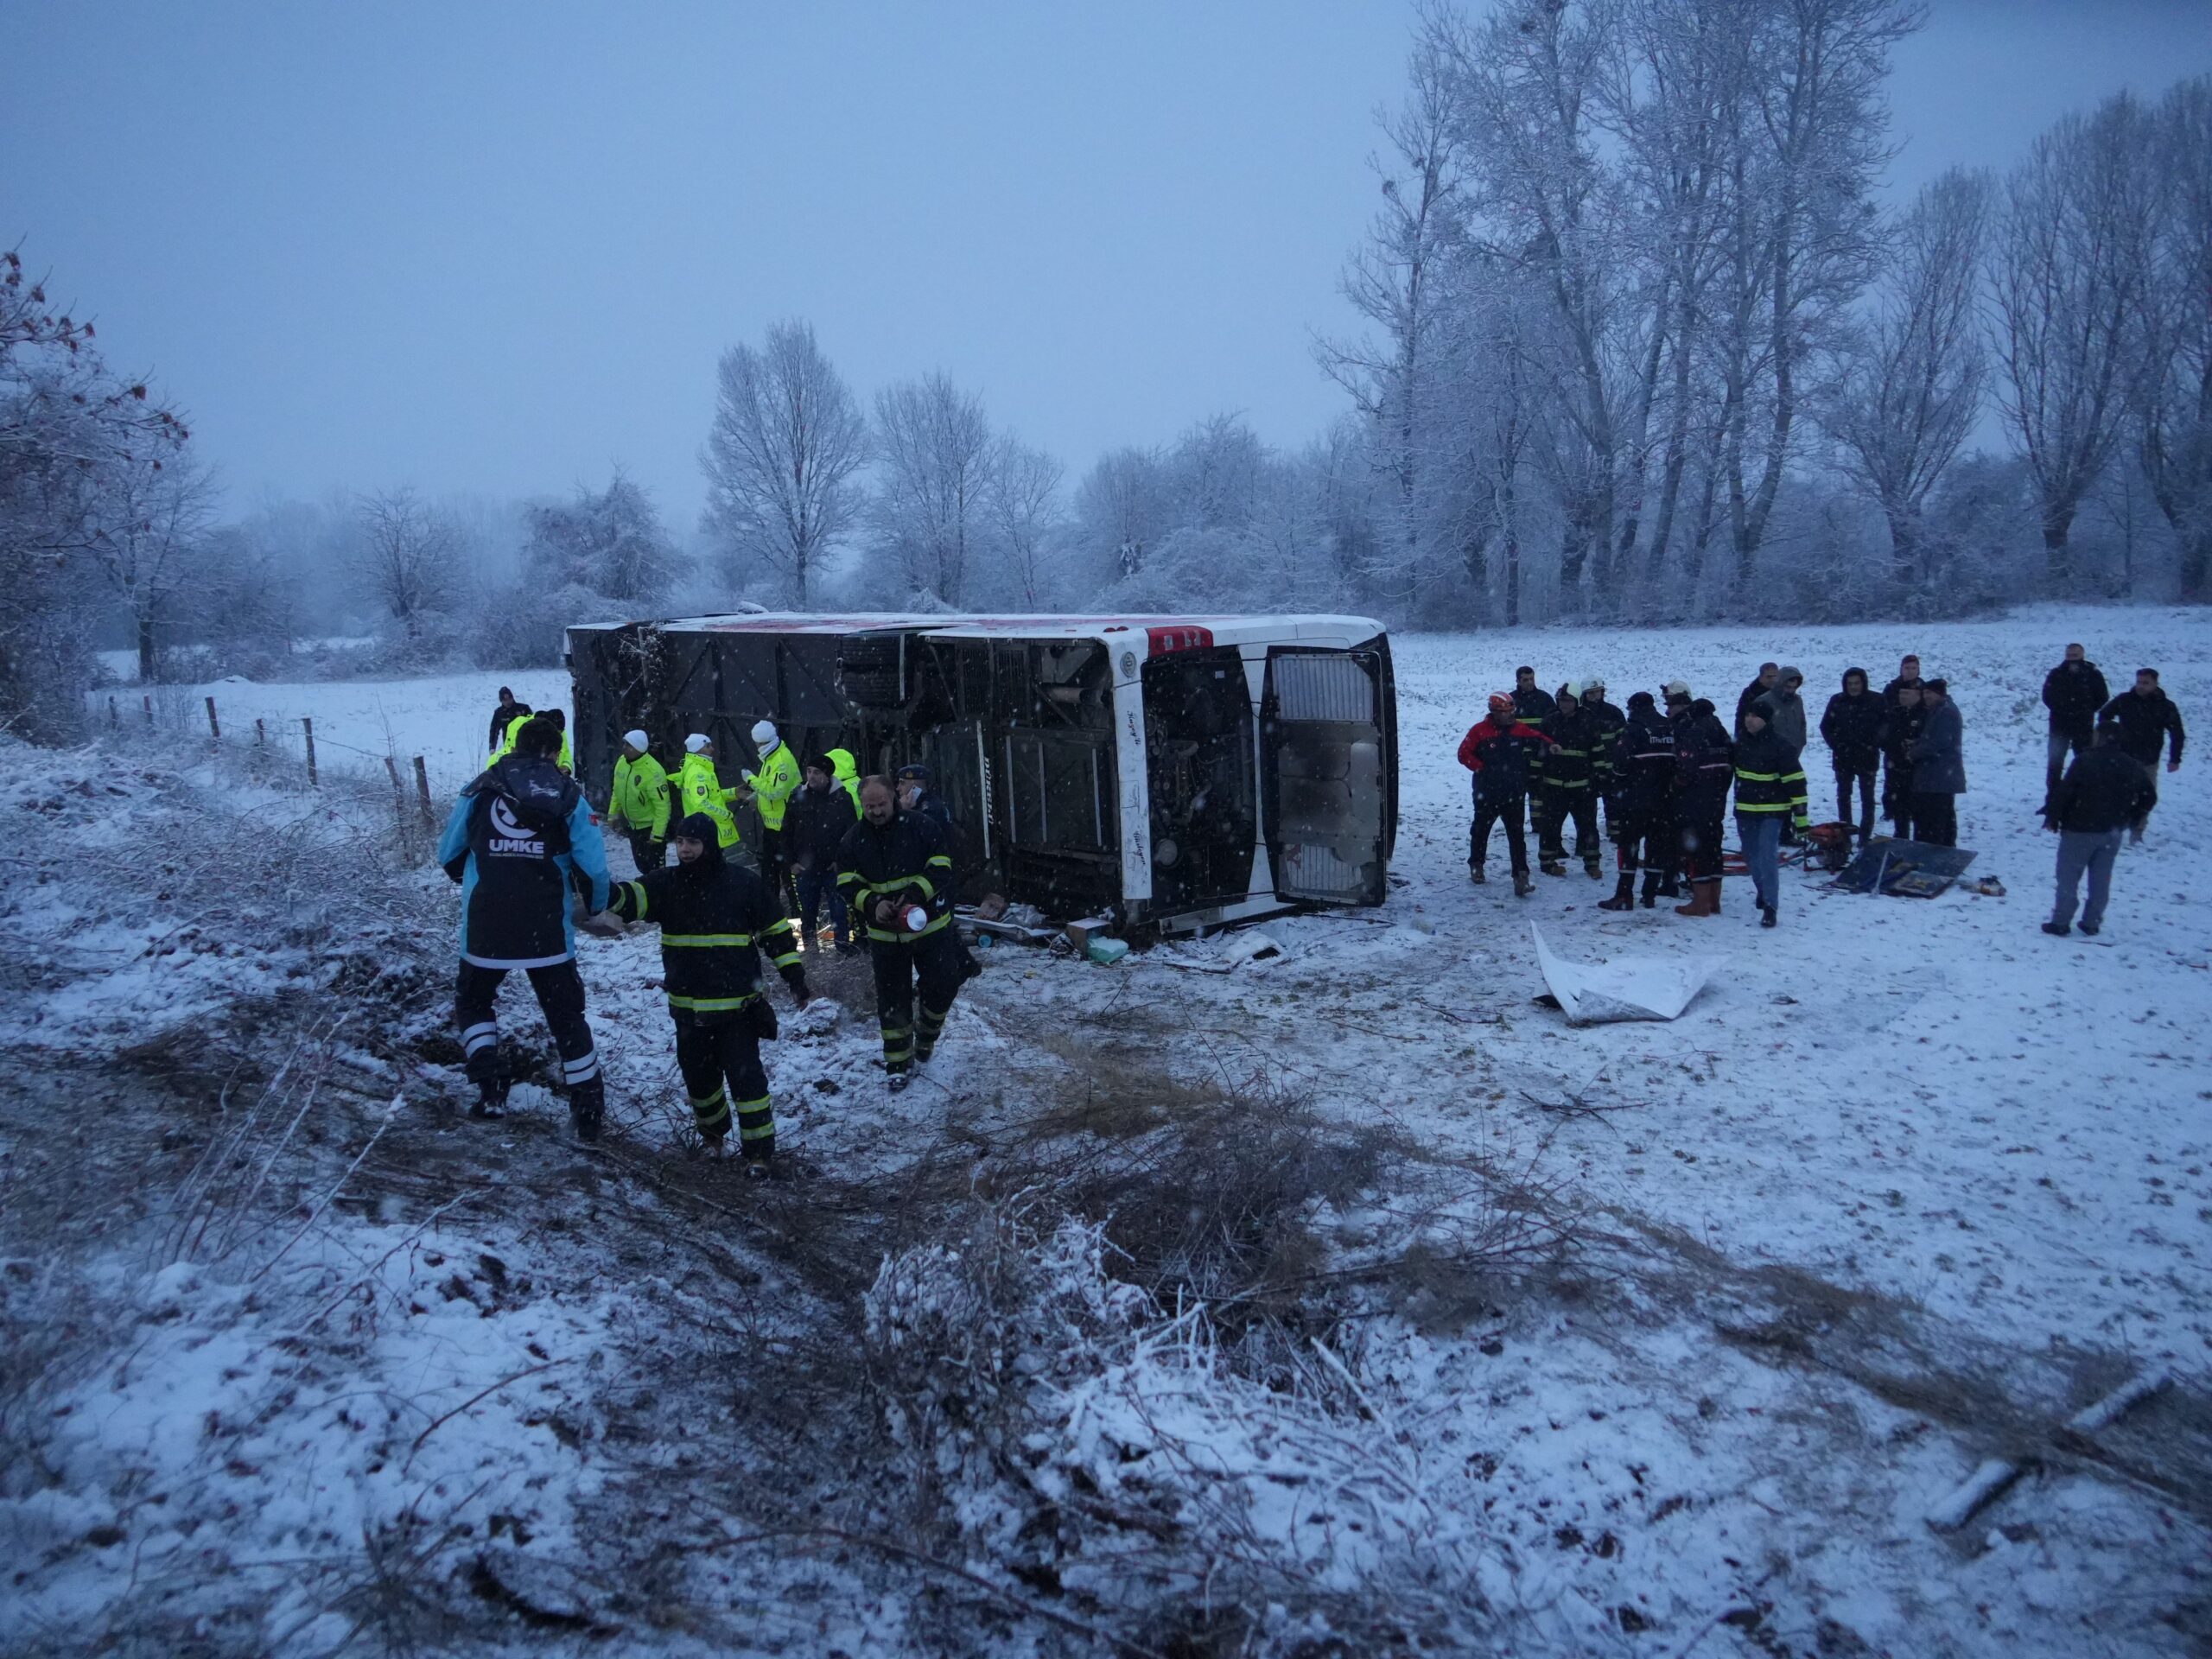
x,y
930,511
407,558
2173,411
780,458
1023,513
610,543
1122,511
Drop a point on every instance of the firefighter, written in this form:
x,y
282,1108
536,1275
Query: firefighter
x,y
1605,723
1569,789
916,794
563,757
897,875
638,802
1536,710
1770,794
516,838
1642,814
1501,751
716,918
699,789
820,817
771,788
1704,765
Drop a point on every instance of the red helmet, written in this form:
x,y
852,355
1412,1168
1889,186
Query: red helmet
x,y
1500,703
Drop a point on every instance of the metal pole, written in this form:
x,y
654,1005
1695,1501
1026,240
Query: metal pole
x,y
307,726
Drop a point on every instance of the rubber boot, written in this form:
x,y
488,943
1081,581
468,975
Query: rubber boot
x,y
1651,890
1624,895
588,1107
1704,900
1522,887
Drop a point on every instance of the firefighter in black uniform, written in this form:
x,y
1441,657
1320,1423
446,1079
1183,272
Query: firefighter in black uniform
x,y
1569,791
1605,723
715,918
896,873
1535,709
1705,767
1643,803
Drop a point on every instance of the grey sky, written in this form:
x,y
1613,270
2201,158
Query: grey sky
x,y
492,248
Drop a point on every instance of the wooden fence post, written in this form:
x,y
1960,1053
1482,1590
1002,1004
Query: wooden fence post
x,y
423,791
307,726
214,731
149,701
114,719
260,735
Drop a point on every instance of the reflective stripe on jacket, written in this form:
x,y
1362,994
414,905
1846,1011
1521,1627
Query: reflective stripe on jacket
x,y
772,785
1769,780
700,790
714,919
904,860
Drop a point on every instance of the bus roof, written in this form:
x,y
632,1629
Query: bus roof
x,y
1222,630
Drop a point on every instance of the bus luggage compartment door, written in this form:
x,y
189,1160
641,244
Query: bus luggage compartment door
x,y
1322,754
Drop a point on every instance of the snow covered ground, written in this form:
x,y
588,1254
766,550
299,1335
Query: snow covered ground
x,y
1907,1185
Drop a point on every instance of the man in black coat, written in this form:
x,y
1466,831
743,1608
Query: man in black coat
x,y
1852,729
1533,707
2103,794
1901,727
1760,685
1703,769
817,820
1642,806
896,873
2148,720
2073,692
1908,674
502,717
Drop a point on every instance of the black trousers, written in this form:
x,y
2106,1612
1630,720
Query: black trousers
x,y
650,851
1936,819
559,994
775,868
1578,806
1846,775
1645,841
2058,748
1897,802
1508,812
929,965
719,1055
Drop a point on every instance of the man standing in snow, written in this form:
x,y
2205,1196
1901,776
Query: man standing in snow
x,y
518,838
1785,709
819,818
1605,723
1500,750
2147,719
505,716
2073,692
1533,707
896,874
1851,727
699,789
1939,768
1641,818
770,787
1908,674
2102,794
638,802
1770,794
1569,789
1762,682
1704,767
917,794
1900,728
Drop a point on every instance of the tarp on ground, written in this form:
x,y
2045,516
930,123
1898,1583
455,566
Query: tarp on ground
x,y
1903,869
1635,988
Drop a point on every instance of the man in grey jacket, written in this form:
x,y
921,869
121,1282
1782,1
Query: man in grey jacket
x,y
1786,709
1939,768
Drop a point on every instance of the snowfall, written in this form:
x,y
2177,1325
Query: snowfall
x,y
1908,1186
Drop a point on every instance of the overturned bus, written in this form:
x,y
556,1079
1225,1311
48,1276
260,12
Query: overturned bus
x,y
1176,773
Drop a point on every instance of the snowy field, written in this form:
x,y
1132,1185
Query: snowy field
x,y
1909,1185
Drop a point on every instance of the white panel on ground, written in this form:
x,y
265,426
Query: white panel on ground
x,y
1644,987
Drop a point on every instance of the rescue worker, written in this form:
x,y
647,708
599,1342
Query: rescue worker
x,y
1770,794
2103,794
2074,692
1704,766
1851,727
502,717
916,794
896,874
1762,682
1535,709
699,789
845,774
638,802
771,788
1569,790
1939,768
1642,808
1605,723
1500,750
1900,727
819,818
516,838
563,759
716,918
2147,719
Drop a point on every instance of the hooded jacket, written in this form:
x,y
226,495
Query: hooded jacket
x,y
1749,695
1785,715
716,918
567,761
1768,780
1704,763
519,837
699,790
905,860
1502,757
2073,692
2103,790
2144,723
845,774
1939,754
1851,726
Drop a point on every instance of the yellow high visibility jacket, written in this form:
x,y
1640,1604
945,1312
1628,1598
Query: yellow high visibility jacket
x,y
566,761
640,796
773,785
699,790
845,775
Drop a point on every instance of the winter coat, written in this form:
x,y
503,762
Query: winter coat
x,y
2144,722
715,918
502,717
519,837
2104,789
2073,692
845,774
773,785
816,823
905,860
1643,768
1769,780
1939,754
1704,763
1785,717
1537,711
640,795
1567,760
1851,727
1900,726
565,761
1603,723
1502,759
1749,695
699,789
1890,692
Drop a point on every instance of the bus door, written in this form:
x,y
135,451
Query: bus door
x,y
1322,758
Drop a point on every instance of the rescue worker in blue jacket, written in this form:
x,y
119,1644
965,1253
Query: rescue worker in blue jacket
x,y
716,918
896,873
518,838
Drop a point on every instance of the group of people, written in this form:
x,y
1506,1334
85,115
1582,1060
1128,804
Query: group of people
x,y
876,853
1663,776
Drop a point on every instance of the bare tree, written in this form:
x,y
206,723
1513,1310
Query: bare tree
x,y
2073,254
153,518
407,556
1024,501
787,438
2174,405
1913,382
1121,508
936,447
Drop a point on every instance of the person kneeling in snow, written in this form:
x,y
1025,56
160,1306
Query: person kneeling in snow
x,y
715,918
517,839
